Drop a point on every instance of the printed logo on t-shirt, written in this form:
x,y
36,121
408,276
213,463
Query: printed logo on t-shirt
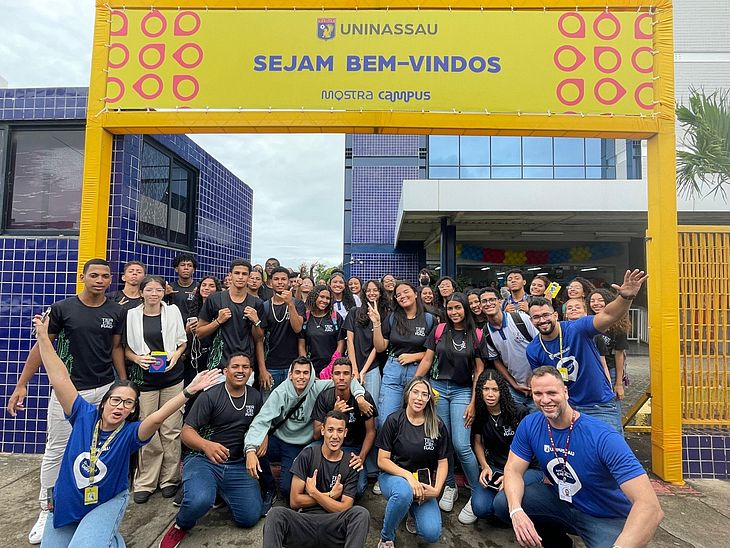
x,y
191,296
351,418
333,481
249,411
420,332
428,444
298,415
564,474
81,470
507,431
571,365
107,323
329,328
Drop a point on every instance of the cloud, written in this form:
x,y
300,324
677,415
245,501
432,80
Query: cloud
x,y
298,180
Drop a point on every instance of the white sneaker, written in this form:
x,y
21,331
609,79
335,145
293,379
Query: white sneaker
x,y
466,516
376,488
386,544
36,534
450,496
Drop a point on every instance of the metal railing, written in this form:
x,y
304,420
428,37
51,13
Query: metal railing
x,y
639,325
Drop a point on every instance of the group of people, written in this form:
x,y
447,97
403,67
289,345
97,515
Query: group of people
x,y
340,382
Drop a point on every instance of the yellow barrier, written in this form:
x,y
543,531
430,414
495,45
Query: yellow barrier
x,y
704,309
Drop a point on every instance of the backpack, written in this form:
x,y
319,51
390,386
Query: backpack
x,y
334,316
429,320
440,328
521,327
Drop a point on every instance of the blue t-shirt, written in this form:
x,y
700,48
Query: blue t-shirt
x,y
599,460
587,382
112,468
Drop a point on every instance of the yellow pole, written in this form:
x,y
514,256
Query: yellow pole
x,y
663,268
97,151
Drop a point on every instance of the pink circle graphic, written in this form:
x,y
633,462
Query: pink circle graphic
x,y
178,27
579,58
137,86
123,28
607,15
159,48
580,33
638,33
637,95
579,85
601,51
634,60
123,49
154,14
177,80
618,88
120,92
178,55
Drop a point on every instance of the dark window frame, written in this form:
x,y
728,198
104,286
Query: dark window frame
x,y
193,183
7,166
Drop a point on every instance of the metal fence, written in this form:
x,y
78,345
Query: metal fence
x,y
639,325
704,317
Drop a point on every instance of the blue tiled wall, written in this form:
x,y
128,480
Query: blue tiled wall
x,y
706,453
35,272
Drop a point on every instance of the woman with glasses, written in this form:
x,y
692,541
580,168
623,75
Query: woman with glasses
x,y
403,334
445,287
388,282
154,339
90,495
453,361
413,445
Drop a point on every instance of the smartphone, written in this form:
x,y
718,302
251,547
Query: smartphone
x,y
43,319
191,319
423,475
492,483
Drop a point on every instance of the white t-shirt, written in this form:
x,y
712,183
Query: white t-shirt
x,y
510,346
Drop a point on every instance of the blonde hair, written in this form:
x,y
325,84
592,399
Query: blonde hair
x,y
431,426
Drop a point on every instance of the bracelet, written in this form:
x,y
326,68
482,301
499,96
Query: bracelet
x,y
258,323
187,394
216,321
376,325
513,512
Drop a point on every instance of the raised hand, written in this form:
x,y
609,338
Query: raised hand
x,y
633,280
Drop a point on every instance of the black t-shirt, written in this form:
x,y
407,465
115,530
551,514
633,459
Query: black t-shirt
x,y
408,445
265,292
303,468
215,418
236,332
608,345
355,419
281,340
363,339
455,356
86,338
127,303
497,436
417,331
183,298
322,335
146,381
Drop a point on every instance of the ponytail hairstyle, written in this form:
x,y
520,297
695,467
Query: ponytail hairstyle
x,y
431,426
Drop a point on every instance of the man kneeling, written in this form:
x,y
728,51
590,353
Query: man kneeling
x,y
323,490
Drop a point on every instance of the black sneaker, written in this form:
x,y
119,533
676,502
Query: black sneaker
x,y
178,497
140,497
267,502
170,491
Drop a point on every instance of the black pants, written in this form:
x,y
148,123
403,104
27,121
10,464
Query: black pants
x,y
286,527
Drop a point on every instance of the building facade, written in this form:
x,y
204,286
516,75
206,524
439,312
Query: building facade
x,y
168,197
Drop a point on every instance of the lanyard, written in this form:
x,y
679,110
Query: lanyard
x,y
560,338
567,443
94,455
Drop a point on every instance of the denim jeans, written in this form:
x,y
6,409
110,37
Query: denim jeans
x,y
400,501
283,453
100,527
372,382
552,515
202,479
482,498
278,376
610,413
451,407
520,398
395,379
362,478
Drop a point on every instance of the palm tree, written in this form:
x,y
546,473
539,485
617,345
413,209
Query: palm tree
x,y
704,161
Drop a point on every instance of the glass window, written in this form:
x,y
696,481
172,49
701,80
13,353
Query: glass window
x,y
166,205
569,151
594,152
506,172
570,172
443,150
537,172
506,151
537,151
474,151
474,173
443,172
45,174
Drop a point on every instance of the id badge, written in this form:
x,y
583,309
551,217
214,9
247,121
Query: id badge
x,y
563,373
91,495
564,491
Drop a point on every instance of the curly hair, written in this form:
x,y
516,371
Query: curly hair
x,y
623,326
506,403
312,298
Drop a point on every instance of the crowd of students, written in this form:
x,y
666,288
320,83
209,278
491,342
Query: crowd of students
x,y
339,382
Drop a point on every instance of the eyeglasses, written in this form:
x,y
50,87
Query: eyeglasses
x,y
421,395
491,300
116,400
545,316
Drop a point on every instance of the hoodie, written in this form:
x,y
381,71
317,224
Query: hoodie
x,y
298,429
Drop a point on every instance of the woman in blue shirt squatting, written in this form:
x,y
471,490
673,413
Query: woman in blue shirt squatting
x,y
90,495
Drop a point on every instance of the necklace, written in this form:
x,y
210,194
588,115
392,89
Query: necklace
x,y
245,397
459,347
273,313
495,418
318,323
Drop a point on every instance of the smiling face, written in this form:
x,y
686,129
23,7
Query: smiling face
x,y
405,296
389,282
239,276
490,304
574,309
323,300
446,288
237,372
354,285
307,285
537,287
206,287
550,396
575,290
372,293
118,406
427,295
337,285
279,282
474,305
597,303
300,374
334,431
544,319
455,311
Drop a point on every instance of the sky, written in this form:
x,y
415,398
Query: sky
x,y
297,180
